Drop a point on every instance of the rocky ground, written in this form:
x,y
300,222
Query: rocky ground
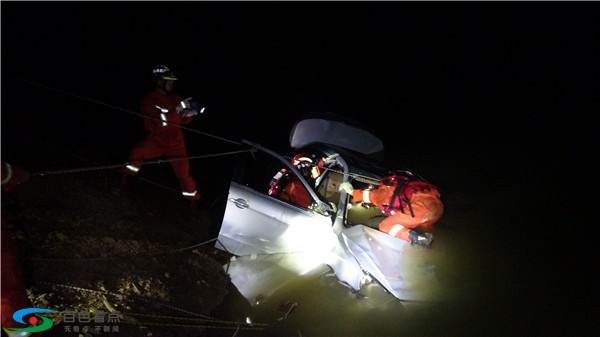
x,y
142,254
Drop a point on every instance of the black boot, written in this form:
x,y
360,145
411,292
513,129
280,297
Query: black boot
x,y
417,238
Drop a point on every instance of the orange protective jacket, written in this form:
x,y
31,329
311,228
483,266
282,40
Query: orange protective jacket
x,y
427,210
296,193
163,127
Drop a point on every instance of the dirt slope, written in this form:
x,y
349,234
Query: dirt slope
x,y
143,253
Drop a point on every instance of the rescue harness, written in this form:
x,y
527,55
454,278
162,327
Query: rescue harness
x,y
405,186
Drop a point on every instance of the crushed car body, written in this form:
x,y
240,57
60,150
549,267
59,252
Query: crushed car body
x,y
266,232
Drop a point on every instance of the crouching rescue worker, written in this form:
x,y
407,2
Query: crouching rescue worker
x,y
14,295
286,186
407,203
164,111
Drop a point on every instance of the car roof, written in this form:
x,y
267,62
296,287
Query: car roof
x,y
335,131
358,163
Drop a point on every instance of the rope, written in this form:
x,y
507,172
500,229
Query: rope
x,y
120,109
226,324
106,292
177,250
189,319
359,177
245,327
116,166
90,161
199,318
196,245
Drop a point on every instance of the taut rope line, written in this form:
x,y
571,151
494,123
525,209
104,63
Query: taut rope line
x,y
116,166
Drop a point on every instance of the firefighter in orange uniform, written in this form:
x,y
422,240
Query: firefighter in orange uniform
x,y
166,111
419,204
286,186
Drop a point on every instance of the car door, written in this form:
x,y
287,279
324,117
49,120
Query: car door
x,y
258,223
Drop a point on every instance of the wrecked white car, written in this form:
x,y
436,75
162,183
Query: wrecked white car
x,y
264,231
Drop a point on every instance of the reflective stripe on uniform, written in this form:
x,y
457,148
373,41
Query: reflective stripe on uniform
x,y
366,198
163,115
395,230
189,194
162,110
9,173
132,168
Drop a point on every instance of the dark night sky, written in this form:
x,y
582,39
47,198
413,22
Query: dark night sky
x,y
479,76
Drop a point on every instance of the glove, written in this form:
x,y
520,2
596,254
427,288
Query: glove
x,y
189,108
330,160
189,113
185,104
346,187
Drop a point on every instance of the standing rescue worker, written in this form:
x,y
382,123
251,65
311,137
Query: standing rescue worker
x,y
164,111
418,204
14,295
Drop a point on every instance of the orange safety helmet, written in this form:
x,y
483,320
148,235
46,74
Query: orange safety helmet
x,y
306,164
